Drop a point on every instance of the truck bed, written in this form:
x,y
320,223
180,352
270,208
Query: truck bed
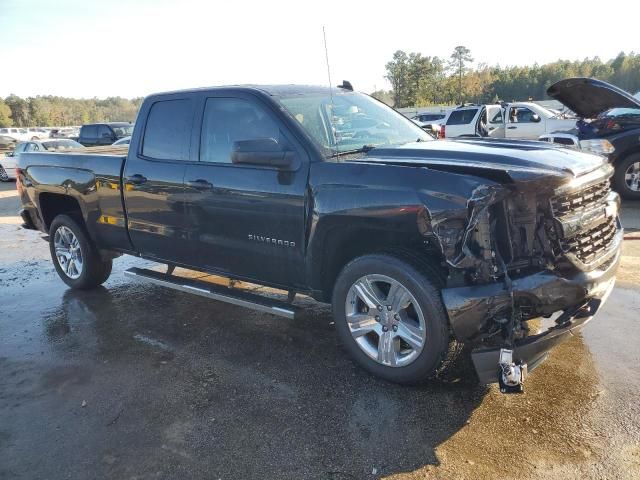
x,y
102,150
92,177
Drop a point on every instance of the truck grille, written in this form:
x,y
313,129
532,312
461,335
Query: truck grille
x,y
585,199
587,232
587,246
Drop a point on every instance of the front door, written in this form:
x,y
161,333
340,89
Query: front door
x,y
246,220
154,180
522,122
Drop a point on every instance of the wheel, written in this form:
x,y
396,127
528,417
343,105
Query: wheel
x,y
626,178
390,318
74,255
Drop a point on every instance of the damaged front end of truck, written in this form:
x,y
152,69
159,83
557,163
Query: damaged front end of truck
x,y
529,260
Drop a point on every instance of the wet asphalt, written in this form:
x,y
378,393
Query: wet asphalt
x,y
136,381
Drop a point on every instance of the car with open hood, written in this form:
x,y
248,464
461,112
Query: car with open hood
x,y
609,125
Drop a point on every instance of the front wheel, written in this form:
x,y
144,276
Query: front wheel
x,y
74,255
626,178
390,318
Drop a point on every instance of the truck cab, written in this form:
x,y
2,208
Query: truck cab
x,y
104,133
528,120
521,120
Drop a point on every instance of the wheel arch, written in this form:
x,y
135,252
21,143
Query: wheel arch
x,y
626,153
346,243
54,204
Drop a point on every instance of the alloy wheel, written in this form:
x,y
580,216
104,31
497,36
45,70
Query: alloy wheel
x,y
632,177
385,320
68,252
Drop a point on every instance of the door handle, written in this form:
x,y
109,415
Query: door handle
x,y
200,184
512,128
136,179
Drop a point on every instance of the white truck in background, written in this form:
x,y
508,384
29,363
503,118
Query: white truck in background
x,y
518,120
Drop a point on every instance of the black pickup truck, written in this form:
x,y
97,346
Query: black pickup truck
x,y
420,245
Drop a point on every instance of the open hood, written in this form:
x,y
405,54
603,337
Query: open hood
x,y
589,97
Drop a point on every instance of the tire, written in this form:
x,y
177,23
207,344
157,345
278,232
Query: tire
x,y
88,270
413,364
626,187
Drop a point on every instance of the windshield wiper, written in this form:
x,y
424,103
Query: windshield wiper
x,y
362,149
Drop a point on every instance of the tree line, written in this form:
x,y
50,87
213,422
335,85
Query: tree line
x,y
418,80
50,111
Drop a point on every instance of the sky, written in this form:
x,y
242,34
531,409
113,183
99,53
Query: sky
x,y
132,48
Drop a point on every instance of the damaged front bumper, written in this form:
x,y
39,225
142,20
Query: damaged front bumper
x,y
578,296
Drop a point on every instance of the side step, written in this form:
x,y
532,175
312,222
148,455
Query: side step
x,y
215,292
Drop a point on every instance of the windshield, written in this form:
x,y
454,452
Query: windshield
x,y
61,145
124,131
351,121
621,112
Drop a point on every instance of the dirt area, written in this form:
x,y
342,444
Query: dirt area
x,y
135,381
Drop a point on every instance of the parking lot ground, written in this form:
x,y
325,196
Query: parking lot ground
x,y
136,381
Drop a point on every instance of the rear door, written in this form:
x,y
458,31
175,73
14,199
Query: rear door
x,y
495,126
246,220
89,135
153,178
461,122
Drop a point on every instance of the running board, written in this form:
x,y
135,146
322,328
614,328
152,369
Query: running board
x,y
234,296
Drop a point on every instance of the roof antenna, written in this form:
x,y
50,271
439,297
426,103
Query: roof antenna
x,y
326,56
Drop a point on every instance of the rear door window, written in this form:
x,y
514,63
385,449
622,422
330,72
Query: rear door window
x,y
89,131
462,117
167,134
497,118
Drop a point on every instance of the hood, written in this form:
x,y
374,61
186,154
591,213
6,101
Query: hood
x,y
519,160
589,97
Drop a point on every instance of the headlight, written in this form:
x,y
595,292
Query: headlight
x,y
601,147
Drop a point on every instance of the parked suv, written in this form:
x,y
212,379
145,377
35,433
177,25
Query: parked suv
x,y
17,134
104,133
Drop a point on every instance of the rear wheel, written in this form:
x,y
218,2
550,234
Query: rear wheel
x,y
626,178
390,318
74,255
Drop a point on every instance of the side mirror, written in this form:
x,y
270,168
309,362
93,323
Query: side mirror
x,y
262,151
9,154
535,118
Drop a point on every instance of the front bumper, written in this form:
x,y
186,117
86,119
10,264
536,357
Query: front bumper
x,y
578,296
